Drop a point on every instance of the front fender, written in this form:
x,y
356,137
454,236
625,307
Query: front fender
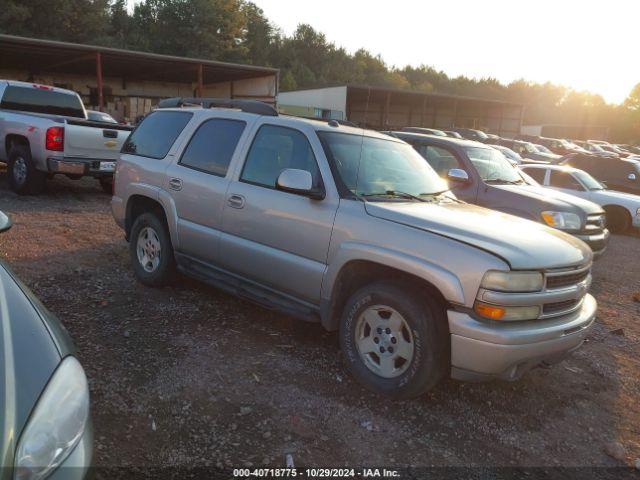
x,y
444,280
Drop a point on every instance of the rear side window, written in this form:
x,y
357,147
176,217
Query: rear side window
x,y
212,146
155,135
40,100
564,180
274,149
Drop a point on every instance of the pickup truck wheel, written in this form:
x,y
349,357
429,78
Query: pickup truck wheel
x,y
395,340
24,179
151,251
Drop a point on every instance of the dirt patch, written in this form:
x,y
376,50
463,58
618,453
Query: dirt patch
x,y
190,376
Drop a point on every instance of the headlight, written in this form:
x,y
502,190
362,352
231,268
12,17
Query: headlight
x,y
562,220
638,213
507,314
56,425
512,281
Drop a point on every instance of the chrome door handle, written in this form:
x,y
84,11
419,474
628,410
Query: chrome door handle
x,y
175,184
236,201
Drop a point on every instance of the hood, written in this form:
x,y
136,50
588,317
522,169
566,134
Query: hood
x,y
522,243
549,198
28,358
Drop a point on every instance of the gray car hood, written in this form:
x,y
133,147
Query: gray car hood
x,y
28,358
558,200
522,243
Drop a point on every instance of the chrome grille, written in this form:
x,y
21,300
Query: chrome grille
x,y
559,307
568,279
595,223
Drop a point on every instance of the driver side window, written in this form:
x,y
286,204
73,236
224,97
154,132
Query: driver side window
x,y
440,159
564,180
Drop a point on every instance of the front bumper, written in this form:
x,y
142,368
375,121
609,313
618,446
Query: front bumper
x,y
81,166
597,242
488,350
76,465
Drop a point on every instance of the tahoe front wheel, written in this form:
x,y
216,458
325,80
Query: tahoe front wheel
x,y
395,339
151,251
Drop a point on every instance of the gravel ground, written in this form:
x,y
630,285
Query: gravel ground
x,y
189,376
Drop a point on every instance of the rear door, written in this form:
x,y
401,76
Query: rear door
x,y
198,181
276,238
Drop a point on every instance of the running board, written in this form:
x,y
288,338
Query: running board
x,y
246,289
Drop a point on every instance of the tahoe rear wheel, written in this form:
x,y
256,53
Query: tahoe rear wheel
x,y
395,339
24,179
151,251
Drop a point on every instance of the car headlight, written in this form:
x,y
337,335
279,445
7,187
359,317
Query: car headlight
x,y
562,220
512,281
56,425
638,213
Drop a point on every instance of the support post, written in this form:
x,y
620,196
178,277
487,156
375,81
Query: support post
x,y
200,86
385,118
424,110
99,78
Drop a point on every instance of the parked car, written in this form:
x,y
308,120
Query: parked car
x,y
473,134
102,117
618,174
426,131
478,174
596,149
528,151
44,131
556,145
619,152
512,156
44,396
350,228
452,134
622,209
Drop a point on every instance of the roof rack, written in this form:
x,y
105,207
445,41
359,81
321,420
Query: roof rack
x,y
248,106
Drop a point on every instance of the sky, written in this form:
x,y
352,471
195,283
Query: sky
x,y
586,45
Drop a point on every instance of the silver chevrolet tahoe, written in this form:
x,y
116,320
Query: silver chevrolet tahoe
x,y
352,229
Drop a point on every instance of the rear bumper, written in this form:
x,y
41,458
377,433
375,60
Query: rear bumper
x,y
484,351
597,242
81,166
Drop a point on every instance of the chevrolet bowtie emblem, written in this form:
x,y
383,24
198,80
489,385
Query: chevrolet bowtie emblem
x,y
110,143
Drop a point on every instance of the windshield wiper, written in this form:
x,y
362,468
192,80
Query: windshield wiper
x,y
502,180
394,193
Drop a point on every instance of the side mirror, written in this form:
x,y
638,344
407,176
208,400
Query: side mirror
x,y
632,177
458,175
300,182
5,222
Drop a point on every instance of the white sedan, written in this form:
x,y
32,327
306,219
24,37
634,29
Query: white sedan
x,y
623,209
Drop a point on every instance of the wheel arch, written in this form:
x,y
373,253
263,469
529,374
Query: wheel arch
x,y
341,282
15,139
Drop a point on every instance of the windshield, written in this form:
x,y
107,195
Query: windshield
x,y
510,154
369,166
482,135
492,166
588,181
529,147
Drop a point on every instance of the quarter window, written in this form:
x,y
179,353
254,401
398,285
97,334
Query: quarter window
x,y
156,134
212,146
275,149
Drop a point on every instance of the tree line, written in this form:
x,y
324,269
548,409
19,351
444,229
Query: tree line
x,y
239,31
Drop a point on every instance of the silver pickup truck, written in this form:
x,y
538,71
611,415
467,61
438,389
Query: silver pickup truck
x,y
353,229
44,131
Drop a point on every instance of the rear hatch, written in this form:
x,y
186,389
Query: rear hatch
x,y
94,140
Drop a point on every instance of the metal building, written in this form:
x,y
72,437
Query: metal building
x,y
386,108
127,83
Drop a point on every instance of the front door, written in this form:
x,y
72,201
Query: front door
x,y
275,238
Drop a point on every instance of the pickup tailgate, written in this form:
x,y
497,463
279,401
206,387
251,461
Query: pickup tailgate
x,y
93,140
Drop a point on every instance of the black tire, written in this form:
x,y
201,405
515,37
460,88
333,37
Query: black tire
x,y
618,219
427,321
107,184
24,179
165,271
